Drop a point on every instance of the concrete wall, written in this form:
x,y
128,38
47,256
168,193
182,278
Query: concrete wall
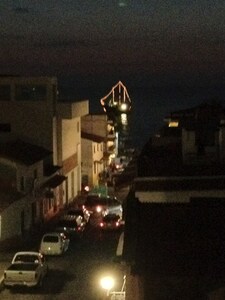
x,y
11,220
30,120
91,157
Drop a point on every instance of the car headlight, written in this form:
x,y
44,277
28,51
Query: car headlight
x,y
98,209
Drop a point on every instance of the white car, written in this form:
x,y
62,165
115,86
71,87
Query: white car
x,y
54,243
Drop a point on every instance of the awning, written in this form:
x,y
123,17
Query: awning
x,y
98,161
54,181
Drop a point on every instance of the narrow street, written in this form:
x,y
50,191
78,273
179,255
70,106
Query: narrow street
x,y
77,273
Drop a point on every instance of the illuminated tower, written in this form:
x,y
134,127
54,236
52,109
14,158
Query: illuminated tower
x,y
117,105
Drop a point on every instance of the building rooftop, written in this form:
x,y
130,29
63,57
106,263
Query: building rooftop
x,y
23,152
92,137
175,241
166,161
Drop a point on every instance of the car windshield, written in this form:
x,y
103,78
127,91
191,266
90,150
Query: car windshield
x,y
113,202
26,259
51,239
96,201
65,223
75,212
112,217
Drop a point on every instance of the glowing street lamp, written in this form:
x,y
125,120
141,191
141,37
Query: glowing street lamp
x,y
107,283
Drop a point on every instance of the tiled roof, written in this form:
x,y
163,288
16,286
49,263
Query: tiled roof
x,y
23,152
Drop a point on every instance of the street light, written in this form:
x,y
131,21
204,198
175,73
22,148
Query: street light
x,y
107,283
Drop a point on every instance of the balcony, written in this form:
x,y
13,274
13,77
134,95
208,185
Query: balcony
x,y
111,149
111,135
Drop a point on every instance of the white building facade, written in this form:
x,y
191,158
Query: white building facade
x,y
31,112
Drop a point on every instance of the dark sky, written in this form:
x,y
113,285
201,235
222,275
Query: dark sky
x,y
95,43
104,37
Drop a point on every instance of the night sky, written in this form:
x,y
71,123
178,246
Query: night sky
x,y
169,54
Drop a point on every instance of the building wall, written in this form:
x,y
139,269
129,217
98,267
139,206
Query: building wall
x,y
87,160
177,196
98,166
222,142
95,124
33,118
190,149
99,124
22,177
71,157
42,121
11,223
70,137
32,175
92,163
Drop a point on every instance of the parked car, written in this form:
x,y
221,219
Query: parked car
x,y
27,268
114,206
70,225
111,222
82,214
54,243
102,206
95,204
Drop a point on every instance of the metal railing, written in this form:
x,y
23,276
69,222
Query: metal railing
x,y
119,295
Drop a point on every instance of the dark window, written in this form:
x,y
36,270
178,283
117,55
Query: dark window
x,y
5,92
5,127
31,92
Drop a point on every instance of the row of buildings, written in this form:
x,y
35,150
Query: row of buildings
x,y
49,148
174,245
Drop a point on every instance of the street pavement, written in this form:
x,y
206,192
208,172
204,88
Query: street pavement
x,y
29,242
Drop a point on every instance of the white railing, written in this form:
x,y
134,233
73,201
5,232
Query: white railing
x,y
117,295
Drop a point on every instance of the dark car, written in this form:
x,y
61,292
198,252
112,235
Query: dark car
x,y
95,204
70,225
103,205
111,222
82,215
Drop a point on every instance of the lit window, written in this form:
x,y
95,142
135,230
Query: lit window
x,y
173,124
124,119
